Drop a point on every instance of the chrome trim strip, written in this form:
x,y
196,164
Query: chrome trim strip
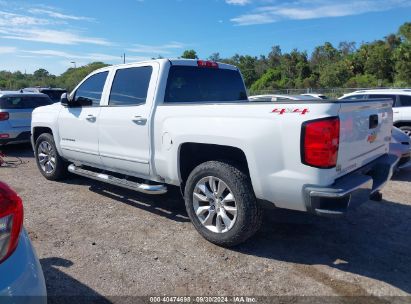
x,y
134,160
79,151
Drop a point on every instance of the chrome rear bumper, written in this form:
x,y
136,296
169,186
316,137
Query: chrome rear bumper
x,y
352,189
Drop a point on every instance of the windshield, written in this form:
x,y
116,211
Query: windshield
x,y
195,84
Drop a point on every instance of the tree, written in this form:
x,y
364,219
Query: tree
x,y
324,55
73,76
402,58
405,31
41,74
270,80
379,61
335,74
246,64
393,41
362,81
347,48
215,57
274,57
388,59
189,54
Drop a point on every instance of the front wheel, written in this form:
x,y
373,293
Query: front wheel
x,y
221,203
48,160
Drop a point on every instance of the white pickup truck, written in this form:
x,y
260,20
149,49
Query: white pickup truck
x,y
188,123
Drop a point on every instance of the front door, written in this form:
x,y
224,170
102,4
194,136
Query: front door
x,y
78,124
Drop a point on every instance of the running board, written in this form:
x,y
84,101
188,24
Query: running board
x,y
144,188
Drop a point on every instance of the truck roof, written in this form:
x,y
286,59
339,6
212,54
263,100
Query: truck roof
x,y
175,61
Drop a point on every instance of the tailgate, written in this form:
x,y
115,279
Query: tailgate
x,y
365,132
20,117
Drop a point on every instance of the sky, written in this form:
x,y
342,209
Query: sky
x,y
57,35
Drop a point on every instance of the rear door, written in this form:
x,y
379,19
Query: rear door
x,y
78,124
124,138
365,133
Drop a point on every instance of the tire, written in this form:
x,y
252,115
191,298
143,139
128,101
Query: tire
x,y
406,130
212,221
51,165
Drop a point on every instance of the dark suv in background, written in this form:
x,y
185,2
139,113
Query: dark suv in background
x,y
53,93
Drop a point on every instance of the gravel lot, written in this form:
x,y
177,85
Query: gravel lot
x,y
98,240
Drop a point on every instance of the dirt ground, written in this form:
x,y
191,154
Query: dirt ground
x,y
98,240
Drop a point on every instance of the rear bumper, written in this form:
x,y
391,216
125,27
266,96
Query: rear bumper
x,y
16,137
352,189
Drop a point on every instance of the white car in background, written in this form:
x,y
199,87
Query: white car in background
x,y
318,96
401,105
279,97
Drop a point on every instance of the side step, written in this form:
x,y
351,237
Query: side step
x,y
144,188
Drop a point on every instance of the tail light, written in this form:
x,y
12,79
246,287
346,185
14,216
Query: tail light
x,y
207,64
11,220
4,116
319,142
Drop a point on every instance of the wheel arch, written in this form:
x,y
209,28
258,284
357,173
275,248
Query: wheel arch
x,y
37,131
402,123
192,154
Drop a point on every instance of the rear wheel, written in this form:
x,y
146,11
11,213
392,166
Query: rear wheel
x,y
221,203
406,130
48,160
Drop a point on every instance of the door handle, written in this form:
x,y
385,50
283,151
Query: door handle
x,y
91,118
139,119
396,112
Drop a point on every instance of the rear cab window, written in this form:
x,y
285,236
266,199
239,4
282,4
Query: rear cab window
x,y
24,102
192,84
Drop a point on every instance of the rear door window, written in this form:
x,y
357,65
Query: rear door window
x,y
198,84
130,86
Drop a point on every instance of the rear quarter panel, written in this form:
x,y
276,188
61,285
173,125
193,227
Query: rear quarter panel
x,y
270,141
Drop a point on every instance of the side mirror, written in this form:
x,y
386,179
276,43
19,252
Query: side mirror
x,y
64,100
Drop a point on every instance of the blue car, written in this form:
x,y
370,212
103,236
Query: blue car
x,y
15,114
21,276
